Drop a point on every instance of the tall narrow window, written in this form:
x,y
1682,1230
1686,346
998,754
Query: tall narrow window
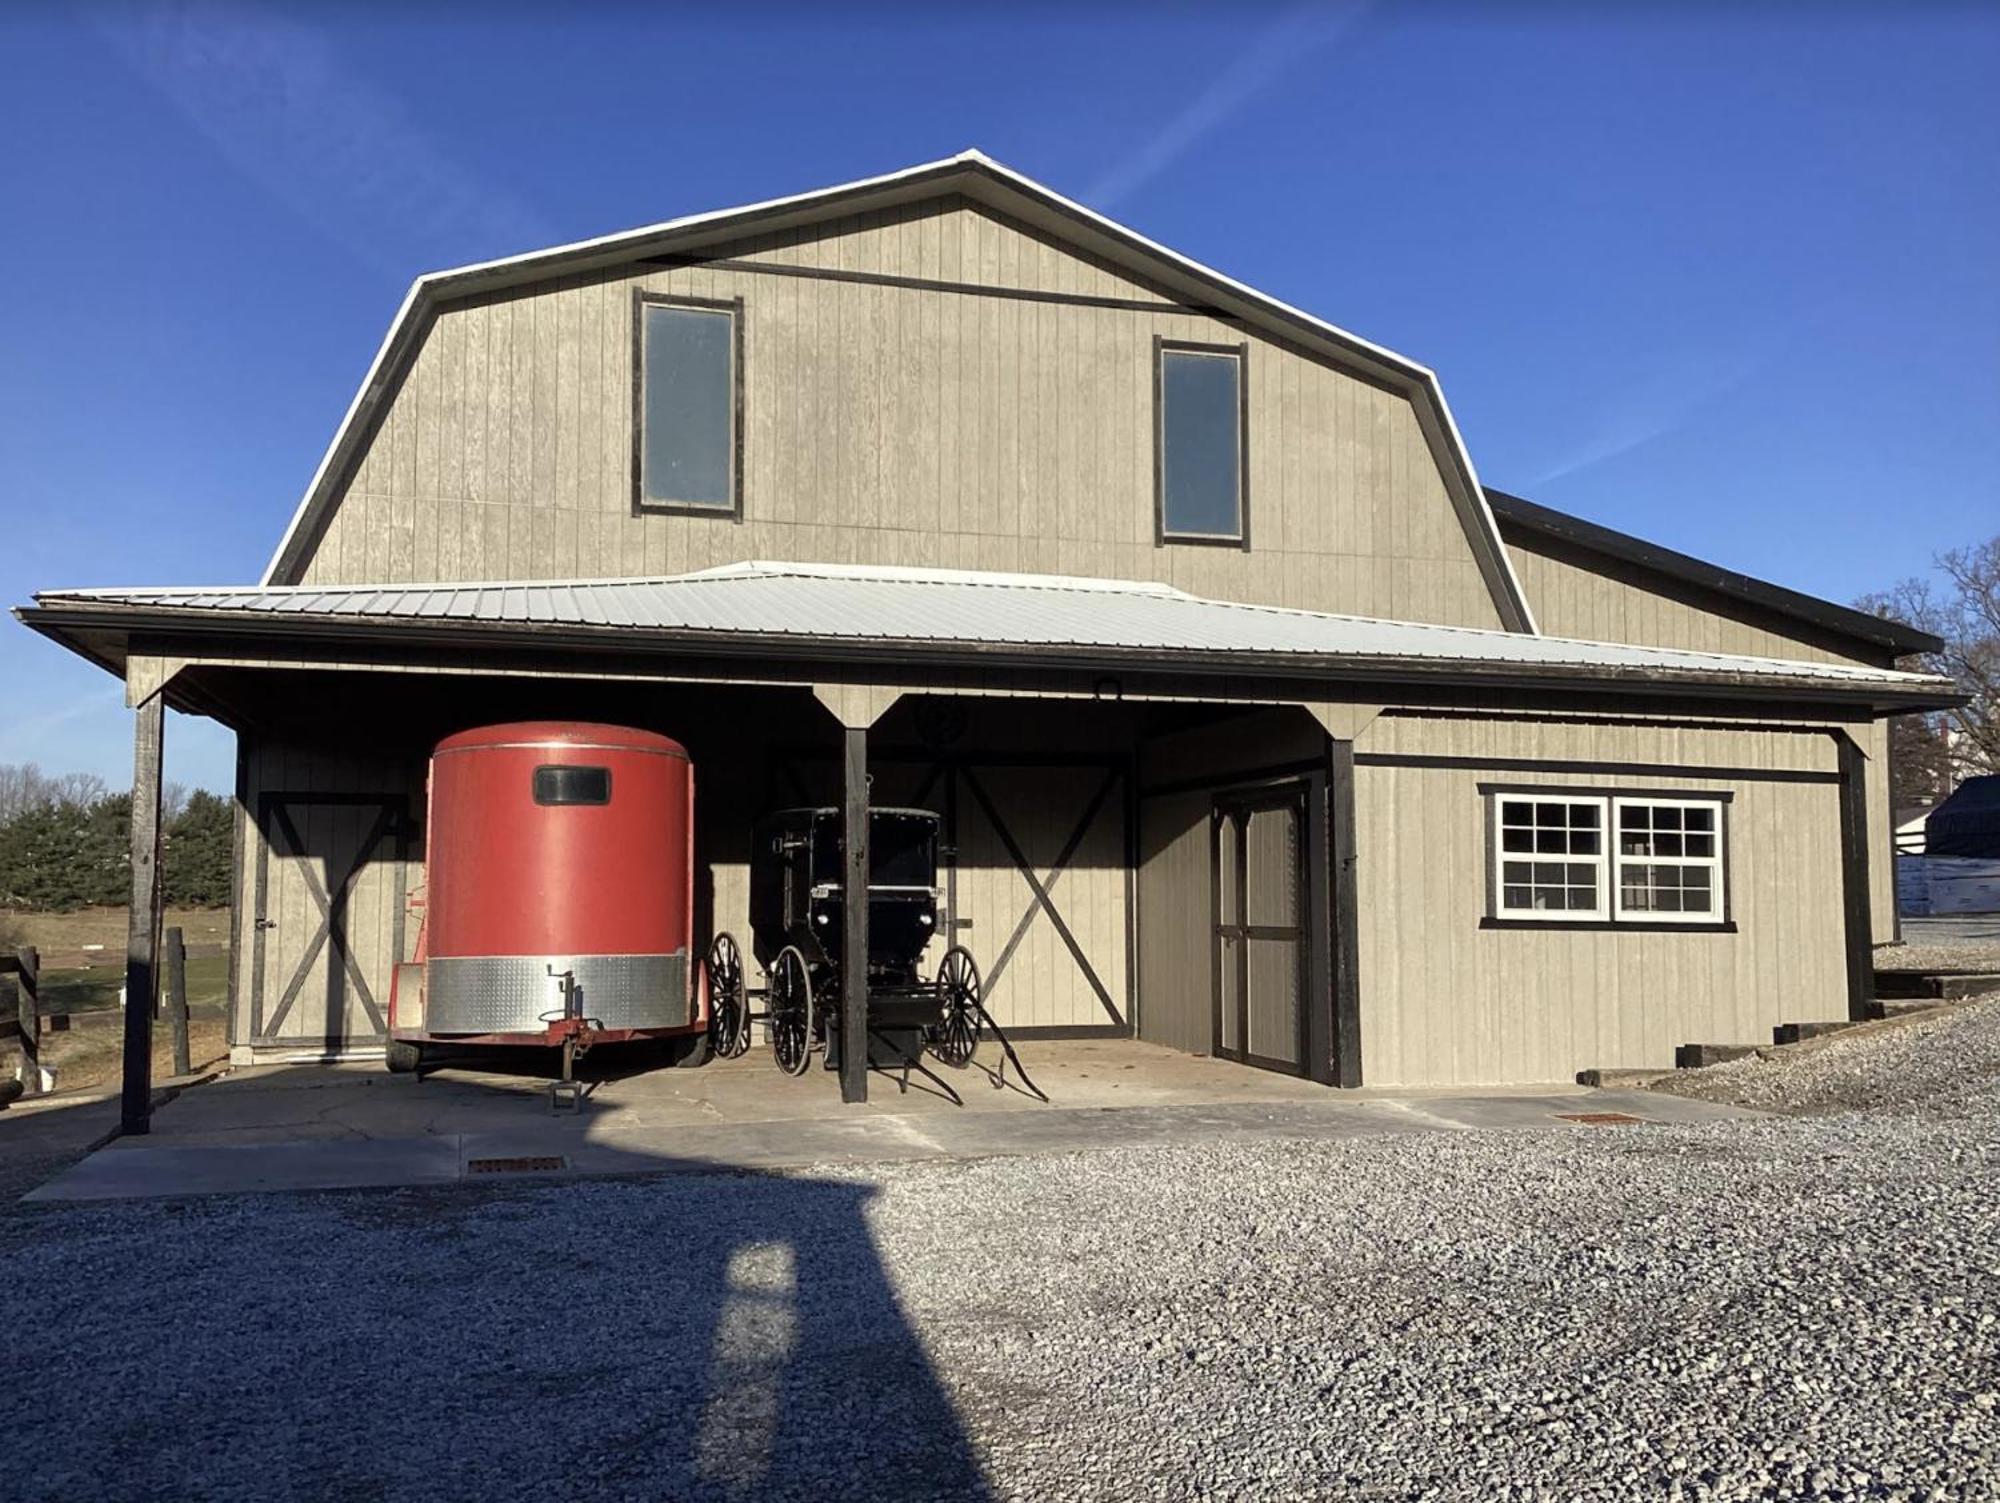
x,y
688,452
1201,416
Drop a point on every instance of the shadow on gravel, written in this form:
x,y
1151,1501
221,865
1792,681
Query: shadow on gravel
x,y
701,1336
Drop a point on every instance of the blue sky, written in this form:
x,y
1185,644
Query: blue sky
x,y
1718,275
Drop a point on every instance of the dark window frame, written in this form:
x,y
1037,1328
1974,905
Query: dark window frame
x,y
535,786
1495,917
1162,538
641,506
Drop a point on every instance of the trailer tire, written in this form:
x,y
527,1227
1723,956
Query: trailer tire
x,y
403,1057
692,1052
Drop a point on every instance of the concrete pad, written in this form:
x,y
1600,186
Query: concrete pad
x,y
585,1146
134,1168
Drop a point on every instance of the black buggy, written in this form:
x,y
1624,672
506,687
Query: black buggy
x,y
797,865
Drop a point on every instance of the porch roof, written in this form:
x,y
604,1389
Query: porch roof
x,y
863,612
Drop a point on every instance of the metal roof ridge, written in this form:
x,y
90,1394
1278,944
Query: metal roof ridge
x,y
925,574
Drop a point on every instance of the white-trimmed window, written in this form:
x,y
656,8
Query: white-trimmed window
x,y
1669,859
1571,857
1549,857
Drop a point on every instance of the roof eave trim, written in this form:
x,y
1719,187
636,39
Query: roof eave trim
x,y
1827,615
56,621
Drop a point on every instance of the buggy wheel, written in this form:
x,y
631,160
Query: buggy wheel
x,y
728,1004
954,1038
789,1020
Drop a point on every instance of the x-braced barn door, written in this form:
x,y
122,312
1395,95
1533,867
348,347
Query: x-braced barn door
x,y
1262,931
329,918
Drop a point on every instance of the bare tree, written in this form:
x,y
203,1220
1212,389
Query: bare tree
x,y
173,801
24,786
21,787
80,789
1963,609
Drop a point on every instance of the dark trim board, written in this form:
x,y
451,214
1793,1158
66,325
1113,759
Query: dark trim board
x,y
1053,1031
1544,790
930,284
1270,772
1612,926
1345,937
1856,905
1599,769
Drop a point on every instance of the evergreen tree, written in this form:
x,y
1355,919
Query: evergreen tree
x,y
200,853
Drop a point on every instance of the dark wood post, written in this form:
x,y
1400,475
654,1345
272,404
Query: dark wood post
x,y
177,998
142,926
28,1009
1344,858
854,931
1854,878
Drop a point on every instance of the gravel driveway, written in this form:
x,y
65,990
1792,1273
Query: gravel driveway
x,y
1793,1307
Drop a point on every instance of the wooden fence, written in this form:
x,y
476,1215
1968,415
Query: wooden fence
x,y
25,1015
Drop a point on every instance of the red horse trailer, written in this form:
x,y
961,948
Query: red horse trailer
x,y
559,903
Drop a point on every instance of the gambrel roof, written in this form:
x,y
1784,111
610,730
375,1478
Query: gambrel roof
x,y
982,181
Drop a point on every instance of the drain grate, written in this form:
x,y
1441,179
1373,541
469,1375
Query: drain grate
x,y
514,1166
1600,1119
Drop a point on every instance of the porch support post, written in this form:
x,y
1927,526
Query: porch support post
x,y
1857,917
142,932
854,919
1346,912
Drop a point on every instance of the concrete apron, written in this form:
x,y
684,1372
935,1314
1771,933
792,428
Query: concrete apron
x,y
327,1128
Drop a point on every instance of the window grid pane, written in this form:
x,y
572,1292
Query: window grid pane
x,y
1677,873
1555,833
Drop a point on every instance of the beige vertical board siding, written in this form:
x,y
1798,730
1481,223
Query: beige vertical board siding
x,y
1175,923
1447,1003
1576,594
885,424
1616,602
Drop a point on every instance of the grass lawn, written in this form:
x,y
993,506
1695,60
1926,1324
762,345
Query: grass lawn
x,y
91,988
96,936
87,1059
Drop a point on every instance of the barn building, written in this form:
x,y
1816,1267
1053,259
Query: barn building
x,y
1257,725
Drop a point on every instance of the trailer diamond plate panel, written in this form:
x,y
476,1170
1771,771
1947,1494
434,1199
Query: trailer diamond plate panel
x,y
516,993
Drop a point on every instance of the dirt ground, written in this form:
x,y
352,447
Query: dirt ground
x,y
96,936
88,1059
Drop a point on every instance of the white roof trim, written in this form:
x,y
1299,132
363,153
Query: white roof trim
x,y
421,287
